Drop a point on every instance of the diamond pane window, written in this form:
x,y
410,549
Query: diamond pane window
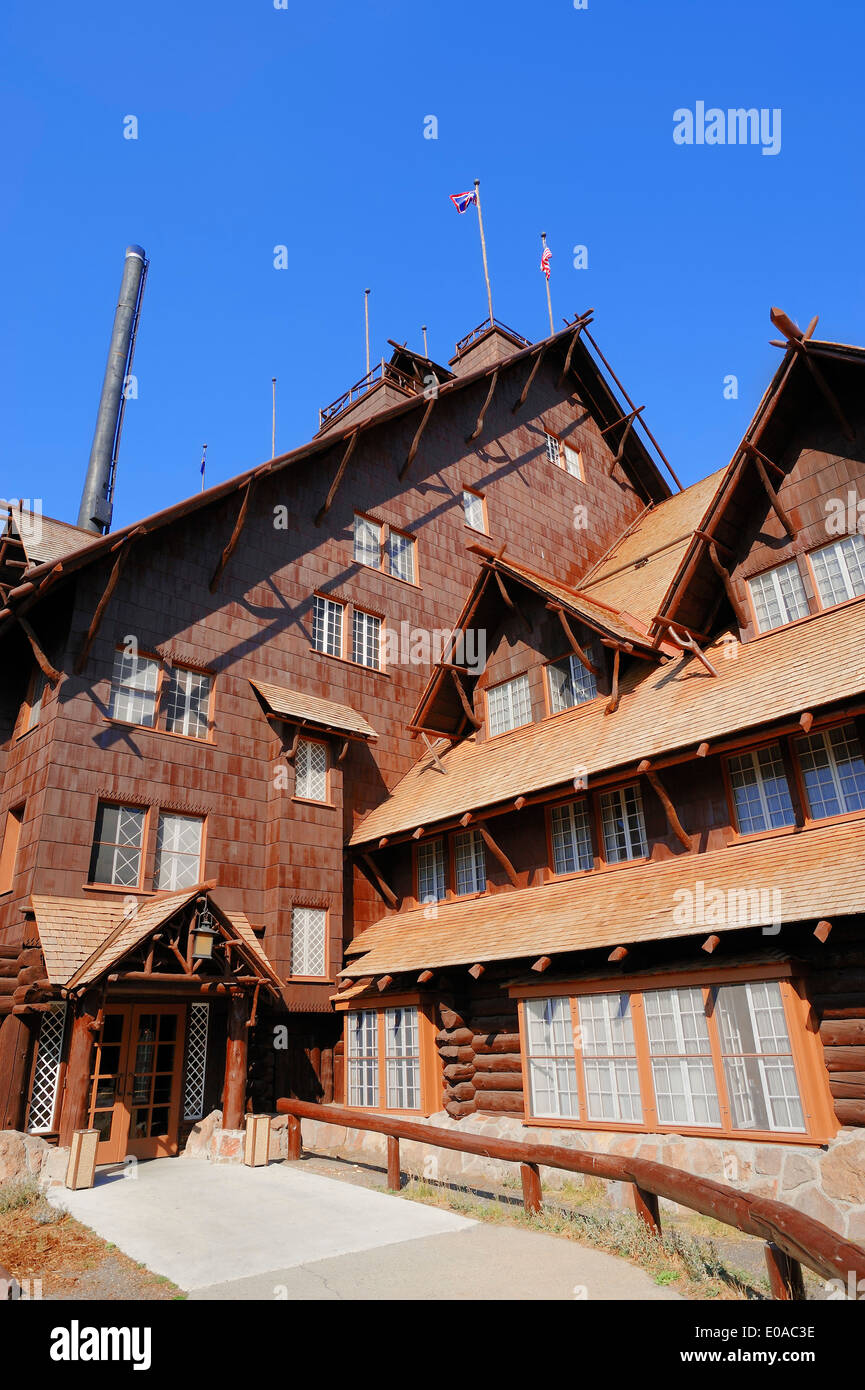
x,y
758,1060
431,871
572,838
760,791
310,770
840,570
470,871
46,1073
402,1058
570,683
178,851
682,1069
196,1061
362,1055
400,555
117,840
309,941
833,771
509,705
609,1058
623,824
366,639
779,596
134,687
473,509
186,702
327,626
551,1063
367,542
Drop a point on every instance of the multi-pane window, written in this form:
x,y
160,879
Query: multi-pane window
x,y
609,1058
178,851
35,700
361,1036
623,824
571,837
683,1073
118,838
779,596
310,770
552,448
840,570
833,771
760,792
473,508
570,683
431,871
509,705
550,1055
309,941
572,460
327,626
366,639
402,1058
134,688
758,1060
470,872
399,555
367,542
186,702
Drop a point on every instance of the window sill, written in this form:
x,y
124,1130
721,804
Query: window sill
x,y
118,888
311,980
311,801
355,665
411,583
164,733
692,1131
475,530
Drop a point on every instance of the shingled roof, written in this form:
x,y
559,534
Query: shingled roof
x,y
807,874
297,706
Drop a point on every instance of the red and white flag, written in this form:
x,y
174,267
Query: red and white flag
x,y
546,258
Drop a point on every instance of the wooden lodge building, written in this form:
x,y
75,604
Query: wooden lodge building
x,y
589,863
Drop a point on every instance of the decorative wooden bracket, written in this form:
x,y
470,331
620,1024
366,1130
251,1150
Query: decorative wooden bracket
x,y
539,357
480,422
464,700
628,422
702,750
332,490
123,548
50,672
822,930
383,887
234,537
711,943
798,340
686,640
669,809
806,720
383,982
618,953
724,576
511,602
774,500
340,757
499,854
424,977
568,631
613,703
476,971
541,964
431,749
415,444
571,345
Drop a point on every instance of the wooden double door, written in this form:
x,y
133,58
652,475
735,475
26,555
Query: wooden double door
x,y
136,1079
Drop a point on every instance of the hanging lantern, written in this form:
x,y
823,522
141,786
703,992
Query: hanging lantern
x,y
204,933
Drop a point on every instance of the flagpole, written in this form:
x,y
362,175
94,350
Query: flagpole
x,y
366,324
484,246
423,331
547,278
203,461
273,426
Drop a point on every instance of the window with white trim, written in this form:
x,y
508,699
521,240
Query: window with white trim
x,y
757,1057
187,702
366,639
361,1038
400,556
833,771
383,1053
570,683
609,1058
178,851
552,447
310,770
367,542
839,569
572,460
779,596
118,839
402,1057
431,883
470,870
309,941
571,837
623,824
509,705
134,688
474,510
761,795
683,1072
327,619
552,1070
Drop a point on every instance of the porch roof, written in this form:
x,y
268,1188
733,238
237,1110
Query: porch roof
x,y
297,705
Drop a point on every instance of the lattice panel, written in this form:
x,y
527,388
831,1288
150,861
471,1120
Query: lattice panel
x,y
308,953
196,1061
43,1096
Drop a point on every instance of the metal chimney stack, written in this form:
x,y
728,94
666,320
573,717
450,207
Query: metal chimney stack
x,y
98,495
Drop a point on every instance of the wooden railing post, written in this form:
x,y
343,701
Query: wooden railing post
x,y
393,1179
646,1207
294,1145
785,1275
532,1196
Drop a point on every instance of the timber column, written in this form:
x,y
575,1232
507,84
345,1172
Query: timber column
x,y
17,1032
76,1094
234,1091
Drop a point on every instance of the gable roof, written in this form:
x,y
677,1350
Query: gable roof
x,y
675,706
44,538
326,715
814,873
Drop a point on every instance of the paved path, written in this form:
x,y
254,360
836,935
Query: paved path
x,y
225,1232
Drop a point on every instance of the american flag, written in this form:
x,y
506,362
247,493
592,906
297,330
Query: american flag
x,y
546,258
461,201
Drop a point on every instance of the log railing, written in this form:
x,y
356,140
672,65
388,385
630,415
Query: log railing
x,y
791,1238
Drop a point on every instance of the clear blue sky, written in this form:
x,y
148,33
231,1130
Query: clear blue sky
x,y
304,127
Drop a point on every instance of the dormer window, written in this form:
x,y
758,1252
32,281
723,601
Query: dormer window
x,y
778,596
569,683
839,569
509,705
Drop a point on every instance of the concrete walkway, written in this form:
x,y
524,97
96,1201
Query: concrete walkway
x,y
224,1232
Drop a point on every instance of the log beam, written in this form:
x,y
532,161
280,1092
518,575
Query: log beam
x,y
613,703
415,444
116,570
774,500
822,930
233,538
669,809
539,357
380,882
236,1049
49,672
729,589
499,854
785,1275
480,421
332,490
568,631
541,964
464,700
76,1095
617,954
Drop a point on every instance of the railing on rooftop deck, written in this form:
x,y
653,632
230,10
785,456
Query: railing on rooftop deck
x,y
484,328
792,1238
382,371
